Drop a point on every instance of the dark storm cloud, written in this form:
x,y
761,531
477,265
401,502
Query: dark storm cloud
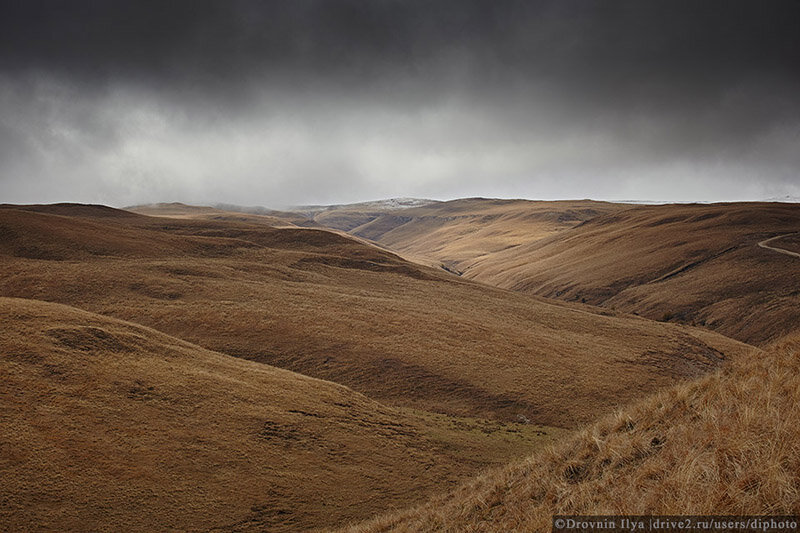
x,y
604,44
371,98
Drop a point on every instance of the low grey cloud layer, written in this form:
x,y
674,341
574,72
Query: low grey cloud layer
x,y
279,103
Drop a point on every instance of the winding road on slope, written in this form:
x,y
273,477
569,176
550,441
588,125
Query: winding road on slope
x,y
765,244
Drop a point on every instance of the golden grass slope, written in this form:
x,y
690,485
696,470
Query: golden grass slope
x,y
728,443
333,308
110,426
691,263
348,216
458,233
696,264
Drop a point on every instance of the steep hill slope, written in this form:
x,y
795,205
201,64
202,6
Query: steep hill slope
x,y
330,307
108,425
727,443
693,263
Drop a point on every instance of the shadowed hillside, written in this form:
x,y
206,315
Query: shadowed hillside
x,y
108,425
330,307
726,444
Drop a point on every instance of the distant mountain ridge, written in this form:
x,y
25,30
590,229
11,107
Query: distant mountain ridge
x,y
386,204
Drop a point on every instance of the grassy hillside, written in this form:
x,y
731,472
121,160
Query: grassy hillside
x,y
727,443
241,214
696,264
458,233
333,308
348,216
108,425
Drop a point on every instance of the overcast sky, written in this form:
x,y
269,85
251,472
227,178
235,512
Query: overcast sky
x,y
298,102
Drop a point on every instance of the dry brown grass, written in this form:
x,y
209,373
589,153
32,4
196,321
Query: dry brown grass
x,y
728,443
110,426
459,233
327,306
699,264
693,264
193,212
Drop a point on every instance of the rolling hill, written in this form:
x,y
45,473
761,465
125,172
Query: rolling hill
x,y
725,444
691,263
697,264
458,233
333,308
108,425
349,216
239,214
208,370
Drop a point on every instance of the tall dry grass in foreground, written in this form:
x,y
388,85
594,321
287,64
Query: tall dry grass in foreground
x,y
728,443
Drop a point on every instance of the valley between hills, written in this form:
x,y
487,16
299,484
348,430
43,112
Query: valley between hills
x,y
407,365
